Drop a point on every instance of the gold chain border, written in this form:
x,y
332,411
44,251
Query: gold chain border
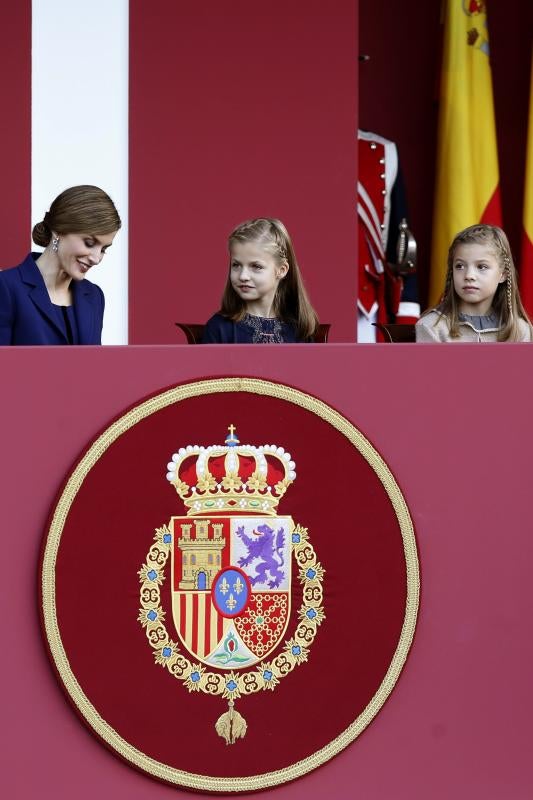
x,y
99,725
231,685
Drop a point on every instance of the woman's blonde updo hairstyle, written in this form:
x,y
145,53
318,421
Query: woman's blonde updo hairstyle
x,y
80,209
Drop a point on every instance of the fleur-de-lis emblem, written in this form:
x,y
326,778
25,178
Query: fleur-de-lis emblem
x,y
224,587
238,586
231,602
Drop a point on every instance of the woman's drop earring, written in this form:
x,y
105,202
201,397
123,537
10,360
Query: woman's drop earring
x,y
55,244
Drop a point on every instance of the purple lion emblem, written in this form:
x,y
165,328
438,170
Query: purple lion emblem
x,y
261,546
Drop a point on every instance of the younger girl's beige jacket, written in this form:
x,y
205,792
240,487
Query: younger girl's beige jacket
x,y
433,327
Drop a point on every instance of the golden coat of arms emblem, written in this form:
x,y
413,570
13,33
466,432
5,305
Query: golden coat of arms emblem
x,y
231,576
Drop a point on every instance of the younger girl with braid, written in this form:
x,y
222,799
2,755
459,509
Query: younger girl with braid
x,y
264,298
481,302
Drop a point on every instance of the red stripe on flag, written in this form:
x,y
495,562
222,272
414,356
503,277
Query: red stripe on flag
x,y
194,641
207,628
492,215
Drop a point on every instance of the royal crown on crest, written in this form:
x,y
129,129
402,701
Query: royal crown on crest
x,y
231,477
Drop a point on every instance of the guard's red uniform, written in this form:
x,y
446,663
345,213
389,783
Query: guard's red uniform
x,y
383,297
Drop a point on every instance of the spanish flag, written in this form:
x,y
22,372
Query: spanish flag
x,y
467,179
526,261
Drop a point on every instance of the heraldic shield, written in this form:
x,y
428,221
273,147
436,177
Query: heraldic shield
x,y
231,581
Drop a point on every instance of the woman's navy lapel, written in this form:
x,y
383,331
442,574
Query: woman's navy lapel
x,y
83,297
37,291
84,308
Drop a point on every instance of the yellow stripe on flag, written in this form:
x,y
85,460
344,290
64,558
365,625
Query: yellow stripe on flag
x,y
528,196
466,188
526,261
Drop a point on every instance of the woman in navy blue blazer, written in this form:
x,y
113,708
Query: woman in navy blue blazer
x,y
47,300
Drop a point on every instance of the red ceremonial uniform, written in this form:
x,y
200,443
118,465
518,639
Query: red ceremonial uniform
x,y
383,297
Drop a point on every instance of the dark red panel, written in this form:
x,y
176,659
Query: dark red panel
x,y
239,110
15,152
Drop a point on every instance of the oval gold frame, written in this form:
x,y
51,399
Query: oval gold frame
x,y
98,724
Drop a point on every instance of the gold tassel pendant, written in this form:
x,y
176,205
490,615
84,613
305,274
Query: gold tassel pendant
x,y
231,725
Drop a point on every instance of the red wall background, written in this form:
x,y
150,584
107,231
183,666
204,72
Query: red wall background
x,y
458,723
398,98
15,150
239,110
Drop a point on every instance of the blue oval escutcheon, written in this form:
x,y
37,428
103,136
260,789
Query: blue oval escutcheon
x,y
231,591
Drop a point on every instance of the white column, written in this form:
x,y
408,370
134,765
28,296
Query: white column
x,y
80,123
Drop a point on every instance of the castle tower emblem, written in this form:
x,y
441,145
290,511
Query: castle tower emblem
x,y
200,554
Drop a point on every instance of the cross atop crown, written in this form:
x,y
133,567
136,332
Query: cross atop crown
x,y
232,440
